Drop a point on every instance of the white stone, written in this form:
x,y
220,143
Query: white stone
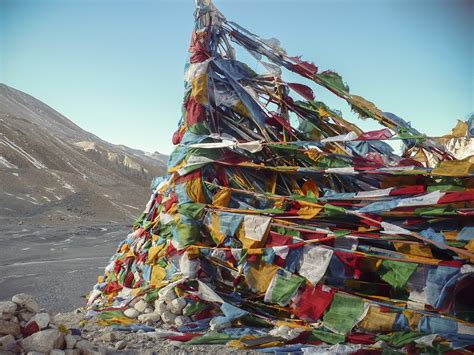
x,y
176,306
160,306
149,317
35,353
42,319
168,317
131,313
168,295
57,352
27,301
7,327
43,341
8,307
70,341
140,306
181,320
148,310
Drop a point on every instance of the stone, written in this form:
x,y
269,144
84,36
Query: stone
x,y
35,353
44,341
108,337
6,340
120,345
131,313
148,310
70,341
168,295
7,327
42,319
8,307
25,315
84,345
181,320
57,352
140,306
6,316
160,306
149,317
176,306
168,317
26,301
72,352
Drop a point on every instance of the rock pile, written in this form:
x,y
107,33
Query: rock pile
x,y
168,308
27,328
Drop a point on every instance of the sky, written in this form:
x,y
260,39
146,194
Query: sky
x,y
115,67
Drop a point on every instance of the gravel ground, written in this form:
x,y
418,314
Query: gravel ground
x,y
58,265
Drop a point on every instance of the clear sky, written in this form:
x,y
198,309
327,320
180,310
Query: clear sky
x,y
115,67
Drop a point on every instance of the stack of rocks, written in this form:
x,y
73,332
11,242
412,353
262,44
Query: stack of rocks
x,y
167,308
26,328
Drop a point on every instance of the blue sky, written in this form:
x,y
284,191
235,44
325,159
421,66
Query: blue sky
x,y
115,67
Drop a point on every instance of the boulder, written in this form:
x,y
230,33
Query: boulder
x,y
7,327
26,301
120,345
176,306
25,315
149,317
7,309
131,313
84,346
140,306
44,341
42,319
6,340
70,341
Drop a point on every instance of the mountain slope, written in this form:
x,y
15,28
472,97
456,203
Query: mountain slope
x,y
51,170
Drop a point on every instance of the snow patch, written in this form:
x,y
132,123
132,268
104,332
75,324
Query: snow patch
x,y
36,163
6,163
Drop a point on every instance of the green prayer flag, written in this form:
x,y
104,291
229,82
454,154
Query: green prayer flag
x,y
282,287
327,337
332,211
397,273
344,313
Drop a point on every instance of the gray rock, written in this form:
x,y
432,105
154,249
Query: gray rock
x,y
84,345
120,345
7,327
44,341
57,352
35,353
25,315
42,319
6,340
27,301
72,352
6,316
108,337
8,307
131,313
70,341
149,317
140,306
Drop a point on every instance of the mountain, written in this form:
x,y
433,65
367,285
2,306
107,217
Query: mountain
x,y
53,171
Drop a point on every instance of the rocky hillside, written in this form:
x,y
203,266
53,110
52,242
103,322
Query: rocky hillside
x,y
53,171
